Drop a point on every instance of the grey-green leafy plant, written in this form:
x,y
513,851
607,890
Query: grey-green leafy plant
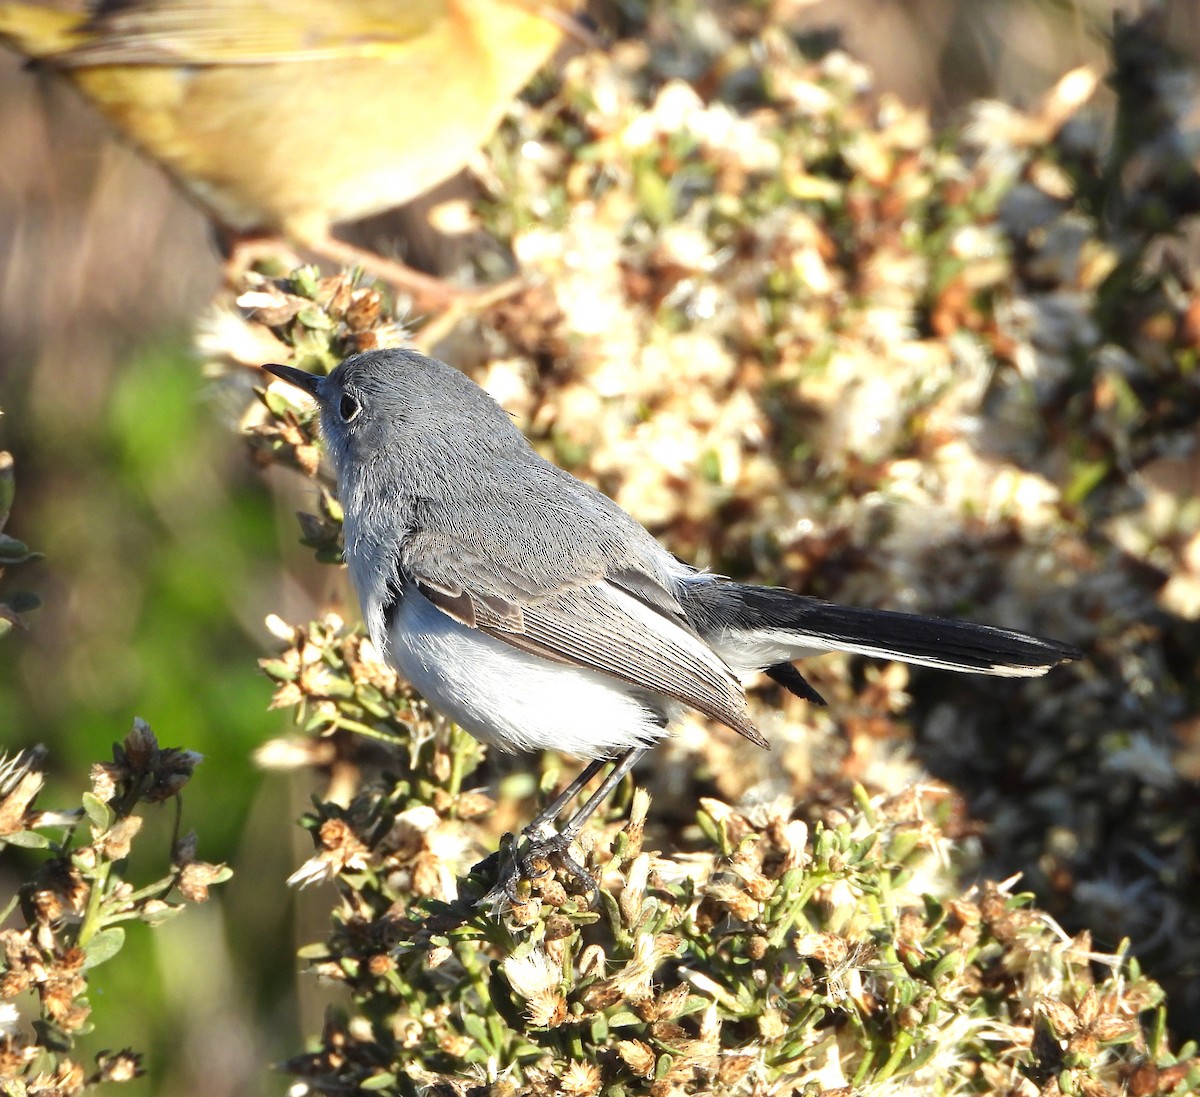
x,y
75,898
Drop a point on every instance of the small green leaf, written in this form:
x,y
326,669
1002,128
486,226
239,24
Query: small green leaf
x,y
12,551
21,601
103,946
947,967
304,281
315,319
710,466
903,844
331,508
376,708
1086,476
278,669
317,951
709,826
378,1081
503,999
475,1028
624,1018
337,687
654,193
99,814
26,839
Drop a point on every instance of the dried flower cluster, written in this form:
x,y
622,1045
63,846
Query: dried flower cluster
x,y
768,960
71,907
368,731
806,340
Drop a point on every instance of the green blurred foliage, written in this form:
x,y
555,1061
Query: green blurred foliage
x,y
162,549
165,542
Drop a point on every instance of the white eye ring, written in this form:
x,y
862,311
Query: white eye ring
x,y
349,408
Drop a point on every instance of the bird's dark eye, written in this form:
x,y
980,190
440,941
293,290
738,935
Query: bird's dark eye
x,y
349,408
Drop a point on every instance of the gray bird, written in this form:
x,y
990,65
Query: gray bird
x,y
534,612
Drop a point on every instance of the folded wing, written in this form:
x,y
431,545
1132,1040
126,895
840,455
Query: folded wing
x,y
623,624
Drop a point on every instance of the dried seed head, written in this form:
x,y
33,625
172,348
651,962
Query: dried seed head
x,y
600,996
630,901
636,827
829,948
525,912
21,780
118,1066
639,1057
733,1068
531,974
771,1025
196,878
537,978
105,776
140,745
592,962
633,980
114,843
581,1079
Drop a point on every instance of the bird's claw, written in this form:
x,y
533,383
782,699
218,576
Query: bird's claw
x,y
535,860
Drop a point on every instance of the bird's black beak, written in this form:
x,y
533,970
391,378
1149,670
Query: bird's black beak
x,y
298,377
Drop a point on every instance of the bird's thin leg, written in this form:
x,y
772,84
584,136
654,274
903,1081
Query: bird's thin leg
x,y
550,813
555,846
617,774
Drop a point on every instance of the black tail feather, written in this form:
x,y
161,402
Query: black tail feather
x,y
765,612
941,640
795,682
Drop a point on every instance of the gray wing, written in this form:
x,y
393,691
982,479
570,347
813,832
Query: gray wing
x,y
619,621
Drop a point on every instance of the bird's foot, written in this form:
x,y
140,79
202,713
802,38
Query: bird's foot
x,y
536,858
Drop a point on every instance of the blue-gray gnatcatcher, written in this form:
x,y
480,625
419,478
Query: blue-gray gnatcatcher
x,y
533,611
